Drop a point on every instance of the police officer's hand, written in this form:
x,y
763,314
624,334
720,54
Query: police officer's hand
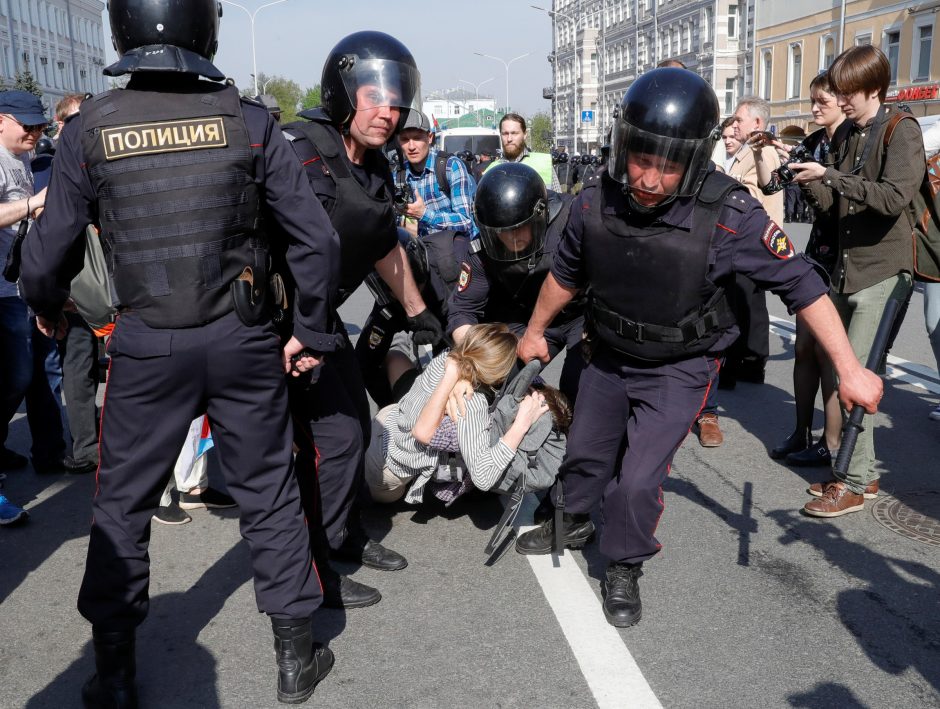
x,y
860,387
305,363
52,328
416,209
532,346
425,328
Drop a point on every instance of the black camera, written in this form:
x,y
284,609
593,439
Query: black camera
x,y
800,153
404,195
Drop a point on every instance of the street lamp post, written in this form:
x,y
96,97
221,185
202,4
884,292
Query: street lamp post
x,y
576,22
505,64
476,88
251,18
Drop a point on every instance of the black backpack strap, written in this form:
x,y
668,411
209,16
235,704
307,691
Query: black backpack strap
x,y
442,173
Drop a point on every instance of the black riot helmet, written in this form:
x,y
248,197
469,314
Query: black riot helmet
x,y
511,211
165,35
667,123
369,69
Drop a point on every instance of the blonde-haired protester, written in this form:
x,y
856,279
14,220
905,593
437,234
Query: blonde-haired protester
x,y
418,436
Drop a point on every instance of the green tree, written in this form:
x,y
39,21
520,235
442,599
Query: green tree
x,y
540,133
311,99
24,81
288,94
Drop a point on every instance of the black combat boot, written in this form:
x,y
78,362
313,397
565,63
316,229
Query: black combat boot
x,y
112,686
578,530
622,606
340,591
301,663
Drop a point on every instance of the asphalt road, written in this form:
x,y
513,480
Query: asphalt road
x,y
750,604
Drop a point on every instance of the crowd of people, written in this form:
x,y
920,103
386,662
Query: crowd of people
x,y
231,241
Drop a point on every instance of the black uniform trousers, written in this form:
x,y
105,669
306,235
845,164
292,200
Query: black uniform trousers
x,y
158,382
331,425
80,379
629,421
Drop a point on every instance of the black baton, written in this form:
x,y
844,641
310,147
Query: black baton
x,y
853,426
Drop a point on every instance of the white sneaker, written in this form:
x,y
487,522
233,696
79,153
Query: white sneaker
x,y
935,414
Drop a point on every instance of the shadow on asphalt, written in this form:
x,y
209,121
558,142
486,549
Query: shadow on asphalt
x,y
173,669
826,696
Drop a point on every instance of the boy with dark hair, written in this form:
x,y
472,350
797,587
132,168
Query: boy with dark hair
x,y
870,190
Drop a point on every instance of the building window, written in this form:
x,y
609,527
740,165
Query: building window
x,y
732,21
765,77
828,53
707,24
796,70
594,65
923,43
729,95
862,39
892,49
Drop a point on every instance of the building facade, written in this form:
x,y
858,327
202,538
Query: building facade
x,y
456,102
601,46
797,39
61,43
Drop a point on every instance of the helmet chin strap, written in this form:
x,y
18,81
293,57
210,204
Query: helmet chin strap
x,y
642,208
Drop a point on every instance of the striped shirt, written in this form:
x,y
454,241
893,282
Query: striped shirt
x,y
442,213
408,458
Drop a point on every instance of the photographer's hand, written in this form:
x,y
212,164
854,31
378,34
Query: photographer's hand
x,y
807,172
416,209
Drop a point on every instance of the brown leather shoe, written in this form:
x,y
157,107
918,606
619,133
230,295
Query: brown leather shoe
x,y
709,434
816,489
836,500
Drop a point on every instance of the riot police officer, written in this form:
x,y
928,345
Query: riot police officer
x,y
520,225
174,170
659,237
368,83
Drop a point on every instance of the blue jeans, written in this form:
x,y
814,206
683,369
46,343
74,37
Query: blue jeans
x,y
30,370
932,318
861,313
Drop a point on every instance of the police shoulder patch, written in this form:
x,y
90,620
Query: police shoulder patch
x,y
777,242
464,279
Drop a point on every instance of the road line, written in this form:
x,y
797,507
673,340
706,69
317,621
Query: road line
x,y
899,369
609,669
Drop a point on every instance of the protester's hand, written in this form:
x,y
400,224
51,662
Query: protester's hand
x,y
457,401
69,306
307,361
37,202
411,226
807,172
531,409
860,387
52,328
416,209
532,347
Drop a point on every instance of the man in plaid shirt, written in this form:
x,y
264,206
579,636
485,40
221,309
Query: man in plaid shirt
x,y
433,210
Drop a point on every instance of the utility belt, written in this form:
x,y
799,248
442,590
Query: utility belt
x,y
259,295
713,317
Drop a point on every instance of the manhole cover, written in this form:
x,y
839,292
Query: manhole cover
x,y
917,518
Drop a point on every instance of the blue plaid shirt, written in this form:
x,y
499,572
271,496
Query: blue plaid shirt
x,y
442,213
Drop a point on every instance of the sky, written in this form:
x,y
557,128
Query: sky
x,y
294,37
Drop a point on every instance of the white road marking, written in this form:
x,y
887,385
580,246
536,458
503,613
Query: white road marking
x,y
899,369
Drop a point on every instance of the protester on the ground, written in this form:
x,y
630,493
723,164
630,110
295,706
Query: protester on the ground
x,y
369,82
31,368
191,479
870,190
413,439
659,335
811,367
513,134
192,336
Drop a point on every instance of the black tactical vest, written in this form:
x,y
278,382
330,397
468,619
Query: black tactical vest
x,y
177,199
357,216
650,295
515,285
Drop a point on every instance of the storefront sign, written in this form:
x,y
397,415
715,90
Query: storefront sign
x,y
915,93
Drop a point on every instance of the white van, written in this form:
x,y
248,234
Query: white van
x,y
476,140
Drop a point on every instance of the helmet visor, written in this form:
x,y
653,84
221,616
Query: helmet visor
x,y
378,83
514,243
655,166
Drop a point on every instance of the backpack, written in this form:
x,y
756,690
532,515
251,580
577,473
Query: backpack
x,y
440,172
924,213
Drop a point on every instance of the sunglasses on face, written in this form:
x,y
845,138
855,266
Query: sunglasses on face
x,y
37,128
